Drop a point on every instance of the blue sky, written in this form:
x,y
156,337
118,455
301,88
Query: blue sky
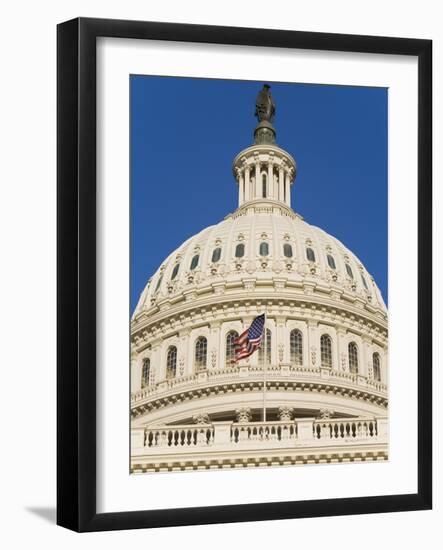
x,y
185,133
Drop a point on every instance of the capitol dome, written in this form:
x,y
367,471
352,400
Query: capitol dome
x,y
264,240
319,377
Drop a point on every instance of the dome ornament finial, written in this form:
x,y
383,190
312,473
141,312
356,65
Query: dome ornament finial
x,y
265,113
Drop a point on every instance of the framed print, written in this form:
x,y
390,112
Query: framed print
x,y
244,274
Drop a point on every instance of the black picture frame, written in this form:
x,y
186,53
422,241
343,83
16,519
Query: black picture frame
x,y
76,266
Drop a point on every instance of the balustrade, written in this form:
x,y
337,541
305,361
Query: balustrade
x,y
264,431
180,436
345,429
248,372
301,432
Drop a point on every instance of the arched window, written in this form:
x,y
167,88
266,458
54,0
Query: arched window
x,y
240,250
353,357
267,345
376,366
159,282
146,369
296,347
194,262
326,351
263,183
349,271
287,250
365,284
310,255
171,362
175,271
216,255
230,346
264,249
331,261
201,352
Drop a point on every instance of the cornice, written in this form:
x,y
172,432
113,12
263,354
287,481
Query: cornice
x,y
263,458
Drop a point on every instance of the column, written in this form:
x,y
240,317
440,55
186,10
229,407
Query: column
x,y
258,192
241,198
281,183
247,184
270,183
287,189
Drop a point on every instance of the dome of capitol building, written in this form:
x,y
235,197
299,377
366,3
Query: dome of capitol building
x,y
314,391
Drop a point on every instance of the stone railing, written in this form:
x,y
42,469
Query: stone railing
x,y
219,436
263,431
360,428
179,436
255,373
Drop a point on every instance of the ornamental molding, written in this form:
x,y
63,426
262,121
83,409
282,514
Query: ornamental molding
x,y
150,399
243,415
285,413
201,418
297,457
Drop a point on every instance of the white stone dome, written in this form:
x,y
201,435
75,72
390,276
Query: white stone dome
x,y
191,269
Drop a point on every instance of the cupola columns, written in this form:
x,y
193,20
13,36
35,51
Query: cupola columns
x,y
264,172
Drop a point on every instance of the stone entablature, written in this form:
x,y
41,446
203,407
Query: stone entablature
x,y
160,323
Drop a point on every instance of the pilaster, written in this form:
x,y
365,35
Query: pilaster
x,y
342,356
314,351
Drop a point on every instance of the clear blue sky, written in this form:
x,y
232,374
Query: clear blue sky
x,y
185,133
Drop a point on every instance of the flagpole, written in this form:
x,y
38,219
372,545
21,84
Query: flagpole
x,y
264,371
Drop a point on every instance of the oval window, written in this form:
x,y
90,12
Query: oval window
x,y
331,261
240,250
194,261
264,249
287,250
216,255
310,255
175,271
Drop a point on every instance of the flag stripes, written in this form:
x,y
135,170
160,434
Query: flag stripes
x,y
250,339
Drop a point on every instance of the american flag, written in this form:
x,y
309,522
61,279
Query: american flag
x,y
250,339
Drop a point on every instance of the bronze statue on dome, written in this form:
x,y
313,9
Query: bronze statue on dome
x,y
264,105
